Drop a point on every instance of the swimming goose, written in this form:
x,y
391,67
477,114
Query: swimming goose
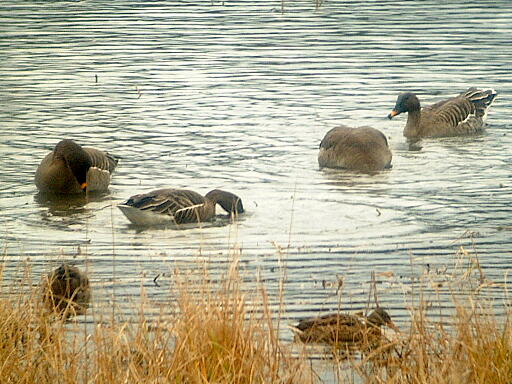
x,y
66,291
361,149
71,168
460,115
343,328
178,206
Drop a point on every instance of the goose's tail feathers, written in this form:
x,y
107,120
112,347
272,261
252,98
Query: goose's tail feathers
x,y
481,98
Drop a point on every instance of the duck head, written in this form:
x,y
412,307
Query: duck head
x,y
380,317
406,102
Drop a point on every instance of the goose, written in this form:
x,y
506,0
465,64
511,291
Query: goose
x,y
178,206
66,291
71,168
464,114
337,328
362,149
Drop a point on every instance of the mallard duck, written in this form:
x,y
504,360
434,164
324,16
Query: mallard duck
x,y
337,328
460,115
66,291
71,169
178,206
362,149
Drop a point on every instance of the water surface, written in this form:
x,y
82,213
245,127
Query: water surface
x,y
238,95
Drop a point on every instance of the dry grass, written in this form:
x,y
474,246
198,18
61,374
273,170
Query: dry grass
x,y
476,348
215,335
214,331
464,340
473,346
34,348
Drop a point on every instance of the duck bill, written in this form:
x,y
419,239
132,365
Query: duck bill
x,y
393,326
393,113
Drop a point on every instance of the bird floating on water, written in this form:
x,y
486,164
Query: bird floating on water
x,y
464,114
363,149
178,206
335,328
71,168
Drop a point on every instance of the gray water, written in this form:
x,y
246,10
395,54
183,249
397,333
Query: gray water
x,y
237,95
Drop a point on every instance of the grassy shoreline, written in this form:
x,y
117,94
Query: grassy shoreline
x,y
217,331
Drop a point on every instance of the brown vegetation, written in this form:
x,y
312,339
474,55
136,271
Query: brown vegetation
x,y
216,332
215,335
475,348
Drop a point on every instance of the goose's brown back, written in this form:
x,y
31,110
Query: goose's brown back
x,y
450,118
362,149
184,205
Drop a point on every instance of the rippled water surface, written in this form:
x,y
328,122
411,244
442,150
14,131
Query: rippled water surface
x,y
237,95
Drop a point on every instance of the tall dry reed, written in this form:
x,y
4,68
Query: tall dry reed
x,y
218,333
215,330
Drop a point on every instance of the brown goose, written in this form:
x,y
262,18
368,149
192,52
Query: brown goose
x,y
70,169
66,291
460,115
343,328
362,149
178,206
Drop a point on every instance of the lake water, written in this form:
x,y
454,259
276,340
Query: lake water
x,y
237,95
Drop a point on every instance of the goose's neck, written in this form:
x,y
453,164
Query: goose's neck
x,y
213,197
412,127
210,202
209,206
227,200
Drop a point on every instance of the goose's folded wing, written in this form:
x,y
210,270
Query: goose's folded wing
x,y
102,160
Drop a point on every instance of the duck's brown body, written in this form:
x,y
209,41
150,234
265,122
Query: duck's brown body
x,y
71,169
179,206
363,149
343,328
464,114
66,291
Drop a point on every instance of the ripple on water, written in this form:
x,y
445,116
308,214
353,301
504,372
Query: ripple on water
x,y
238,97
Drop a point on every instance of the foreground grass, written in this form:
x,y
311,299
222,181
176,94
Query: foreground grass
x,y
475,348
215,336
217,332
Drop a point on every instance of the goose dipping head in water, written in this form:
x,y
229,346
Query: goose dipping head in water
x,y
178,206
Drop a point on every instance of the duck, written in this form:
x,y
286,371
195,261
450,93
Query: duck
x,y
363,149
464,114
335,328
178,206
66,291
72,169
